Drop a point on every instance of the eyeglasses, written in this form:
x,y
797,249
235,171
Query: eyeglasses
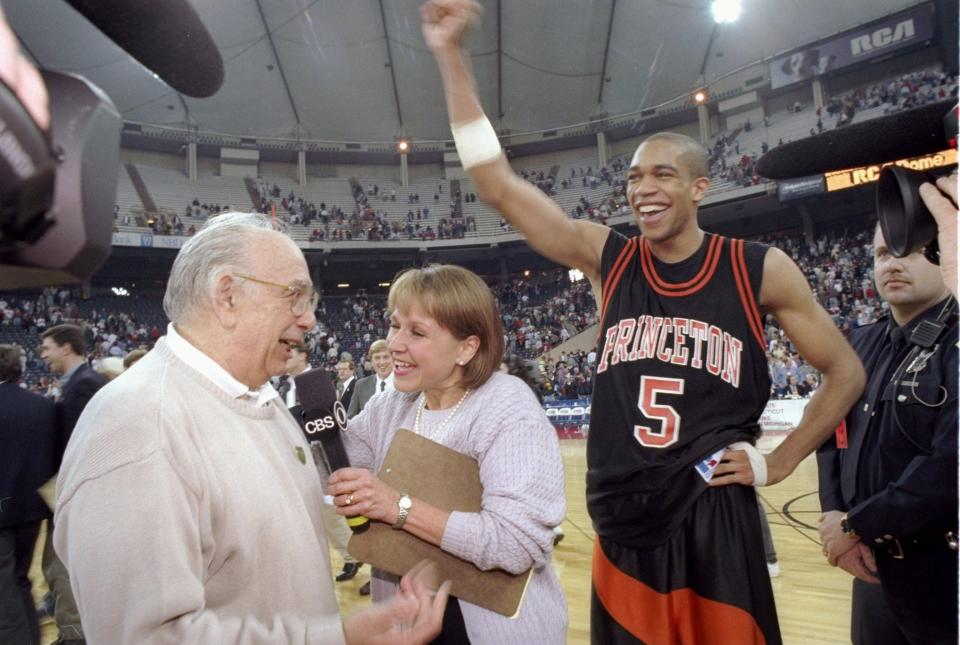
x,y
303,296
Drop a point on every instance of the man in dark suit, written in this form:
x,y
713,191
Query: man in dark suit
x,y
346,370
63,348
380,381
28,434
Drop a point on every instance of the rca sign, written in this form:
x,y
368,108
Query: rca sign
x,y
883,37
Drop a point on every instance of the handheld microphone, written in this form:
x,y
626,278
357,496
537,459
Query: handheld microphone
x,y
324,418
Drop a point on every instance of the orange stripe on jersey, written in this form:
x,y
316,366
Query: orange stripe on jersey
x,y
680,616
742,279
689,287
656,279
616,272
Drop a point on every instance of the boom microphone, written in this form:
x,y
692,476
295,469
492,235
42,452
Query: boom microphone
x,y
167,37
910,133
324,418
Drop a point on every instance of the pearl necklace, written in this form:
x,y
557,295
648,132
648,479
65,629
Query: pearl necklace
x,y
433,436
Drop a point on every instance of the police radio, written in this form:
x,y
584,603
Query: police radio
x,y
324,418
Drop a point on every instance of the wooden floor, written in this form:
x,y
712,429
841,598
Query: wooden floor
x,y
813,599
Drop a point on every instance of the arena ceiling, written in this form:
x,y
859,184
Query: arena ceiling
x,y
359,70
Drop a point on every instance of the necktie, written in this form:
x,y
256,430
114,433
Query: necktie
x,y
383,385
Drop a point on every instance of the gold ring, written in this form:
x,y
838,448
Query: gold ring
x,y
349,502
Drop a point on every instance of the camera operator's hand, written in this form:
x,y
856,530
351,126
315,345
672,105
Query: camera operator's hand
x,y
943,205
22,77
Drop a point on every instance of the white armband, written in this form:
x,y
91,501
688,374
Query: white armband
x,y
477,142
758,463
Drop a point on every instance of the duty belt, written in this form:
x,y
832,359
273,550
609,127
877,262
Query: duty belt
x,y
894,547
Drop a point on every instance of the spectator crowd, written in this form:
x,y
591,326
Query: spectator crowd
x,y
540,312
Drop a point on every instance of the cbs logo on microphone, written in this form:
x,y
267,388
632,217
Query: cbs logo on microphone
x,y
336,420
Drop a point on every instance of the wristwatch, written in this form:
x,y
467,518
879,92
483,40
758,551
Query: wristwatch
x,y
404,504
845,527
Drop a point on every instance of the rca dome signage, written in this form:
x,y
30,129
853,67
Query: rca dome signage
x,y
853,177
905,29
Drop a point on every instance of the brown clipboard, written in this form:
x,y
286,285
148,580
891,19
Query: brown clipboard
x,y
446,479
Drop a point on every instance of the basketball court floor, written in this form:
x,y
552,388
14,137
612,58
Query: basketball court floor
x,y
813,598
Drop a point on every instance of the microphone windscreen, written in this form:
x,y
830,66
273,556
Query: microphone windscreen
x,y
910,133
318,396
166,36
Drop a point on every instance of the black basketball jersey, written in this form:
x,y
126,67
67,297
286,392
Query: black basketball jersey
x,y
681,373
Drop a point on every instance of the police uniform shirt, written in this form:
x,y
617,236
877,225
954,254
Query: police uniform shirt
x,y
899,473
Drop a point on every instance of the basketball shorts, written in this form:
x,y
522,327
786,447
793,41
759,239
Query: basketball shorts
x,y
707,585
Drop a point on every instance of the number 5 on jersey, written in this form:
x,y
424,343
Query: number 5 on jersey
x,y
669,430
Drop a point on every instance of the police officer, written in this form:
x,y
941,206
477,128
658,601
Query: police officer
x,y
888,481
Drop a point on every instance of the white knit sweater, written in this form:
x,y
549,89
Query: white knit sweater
x,y
503,427
185,516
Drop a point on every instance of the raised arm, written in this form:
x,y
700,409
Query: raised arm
x,y
542,222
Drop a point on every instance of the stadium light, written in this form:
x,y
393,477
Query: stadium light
x,y
575,275
383,284
403,146
699,96
725,11
343,285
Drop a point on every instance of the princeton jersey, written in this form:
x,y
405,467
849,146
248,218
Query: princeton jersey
x,y
681,373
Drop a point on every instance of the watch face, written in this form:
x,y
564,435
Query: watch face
x,y
405,502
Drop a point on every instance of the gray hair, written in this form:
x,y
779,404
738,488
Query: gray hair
x,y
221,246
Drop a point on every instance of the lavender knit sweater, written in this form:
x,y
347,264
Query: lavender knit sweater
x,y
503,427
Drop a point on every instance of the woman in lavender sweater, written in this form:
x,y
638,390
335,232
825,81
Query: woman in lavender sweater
x,y
446,340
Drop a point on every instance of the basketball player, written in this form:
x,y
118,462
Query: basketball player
x,y
681,375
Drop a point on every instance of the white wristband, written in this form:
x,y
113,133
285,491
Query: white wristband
x,y
476,141
758,463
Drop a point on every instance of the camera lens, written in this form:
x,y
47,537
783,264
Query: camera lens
x,y
906,223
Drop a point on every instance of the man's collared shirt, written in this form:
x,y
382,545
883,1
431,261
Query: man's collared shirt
x,y
384,384
212,370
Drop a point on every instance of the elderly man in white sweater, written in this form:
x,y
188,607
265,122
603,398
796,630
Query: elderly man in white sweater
x,y
189,506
